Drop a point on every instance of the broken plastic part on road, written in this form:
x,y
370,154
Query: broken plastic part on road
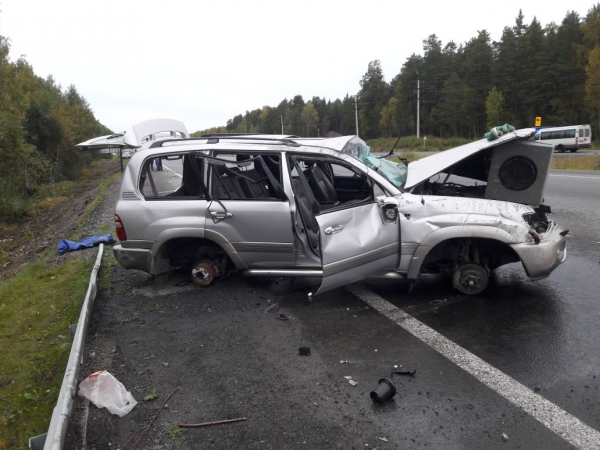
x,y
402,371
304,351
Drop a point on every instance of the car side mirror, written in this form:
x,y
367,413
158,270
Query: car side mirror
x,y
389,209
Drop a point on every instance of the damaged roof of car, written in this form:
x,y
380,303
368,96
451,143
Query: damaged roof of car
x,y
425,168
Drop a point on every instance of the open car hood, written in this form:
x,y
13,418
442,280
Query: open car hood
x,y
511,168
425,168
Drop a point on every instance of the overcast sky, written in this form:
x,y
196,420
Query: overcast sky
x,y
203,62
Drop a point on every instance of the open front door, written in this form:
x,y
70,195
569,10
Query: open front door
x,y
353,228
358,243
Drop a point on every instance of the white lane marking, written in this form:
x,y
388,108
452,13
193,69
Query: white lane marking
x,y
574,176
171,170
556,419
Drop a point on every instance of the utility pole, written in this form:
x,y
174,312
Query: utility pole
x,y
356,113
418,106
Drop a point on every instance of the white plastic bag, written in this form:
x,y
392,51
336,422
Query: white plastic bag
x,y
105,391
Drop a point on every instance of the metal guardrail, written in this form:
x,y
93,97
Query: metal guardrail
x,y
54,439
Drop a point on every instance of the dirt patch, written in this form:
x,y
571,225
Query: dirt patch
x,y
28,240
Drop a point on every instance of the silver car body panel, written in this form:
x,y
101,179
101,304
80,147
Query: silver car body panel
x,y
539,260
259,231
355,244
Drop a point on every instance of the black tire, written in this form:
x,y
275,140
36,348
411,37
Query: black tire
x,y
202,273
560,148
473,279
573,150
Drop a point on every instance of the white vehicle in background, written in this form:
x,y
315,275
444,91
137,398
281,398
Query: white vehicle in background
x,y
572,137
585,136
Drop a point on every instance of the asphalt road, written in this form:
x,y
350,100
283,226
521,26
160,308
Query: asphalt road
x,y
516,367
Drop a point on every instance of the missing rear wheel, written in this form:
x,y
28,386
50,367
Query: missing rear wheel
x,y
203,274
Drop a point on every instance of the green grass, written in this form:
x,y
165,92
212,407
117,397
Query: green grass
x,y
583,162
94,204
36,306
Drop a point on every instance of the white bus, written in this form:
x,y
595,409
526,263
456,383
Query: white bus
x,y
572,137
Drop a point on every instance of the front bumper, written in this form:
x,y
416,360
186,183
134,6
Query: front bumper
x,y
132,258
539,260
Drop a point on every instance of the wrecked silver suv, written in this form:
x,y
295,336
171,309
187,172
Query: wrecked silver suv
x,y
288,206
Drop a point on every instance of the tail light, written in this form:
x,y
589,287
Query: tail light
x,y
121,234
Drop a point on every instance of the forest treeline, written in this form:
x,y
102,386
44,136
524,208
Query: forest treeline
x,y
39,125
552,72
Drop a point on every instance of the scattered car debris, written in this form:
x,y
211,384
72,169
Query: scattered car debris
x,y
348,377
384,391
304,351
439,301
504,437
352,382
382,439
344,361
274,306
205,424
402,371
282,317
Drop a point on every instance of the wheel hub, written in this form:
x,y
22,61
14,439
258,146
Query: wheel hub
x,y
473,279
201,274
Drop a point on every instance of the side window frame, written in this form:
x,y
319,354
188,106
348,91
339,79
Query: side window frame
x,y
236,177
302,158
148,176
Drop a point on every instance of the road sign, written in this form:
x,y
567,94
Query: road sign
x,y
538,121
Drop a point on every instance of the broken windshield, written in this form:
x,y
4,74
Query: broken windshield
x,y
394,172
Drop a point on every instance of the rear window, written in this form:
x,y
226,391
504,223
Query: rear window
x,y
171,178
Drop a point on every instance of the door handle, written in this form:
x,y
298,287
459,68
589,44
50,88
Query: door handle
x,y
221,215
334,229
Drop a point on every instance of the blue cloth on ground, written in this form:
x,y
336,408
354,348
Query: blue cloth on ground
x,y
65,245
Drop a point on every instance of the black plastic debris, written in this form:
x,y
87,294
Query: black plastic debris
x,y
304,351
384,391
403,371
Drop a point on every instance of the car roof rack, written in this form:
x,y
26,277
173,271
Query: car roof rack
x,y
287,136
214,139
